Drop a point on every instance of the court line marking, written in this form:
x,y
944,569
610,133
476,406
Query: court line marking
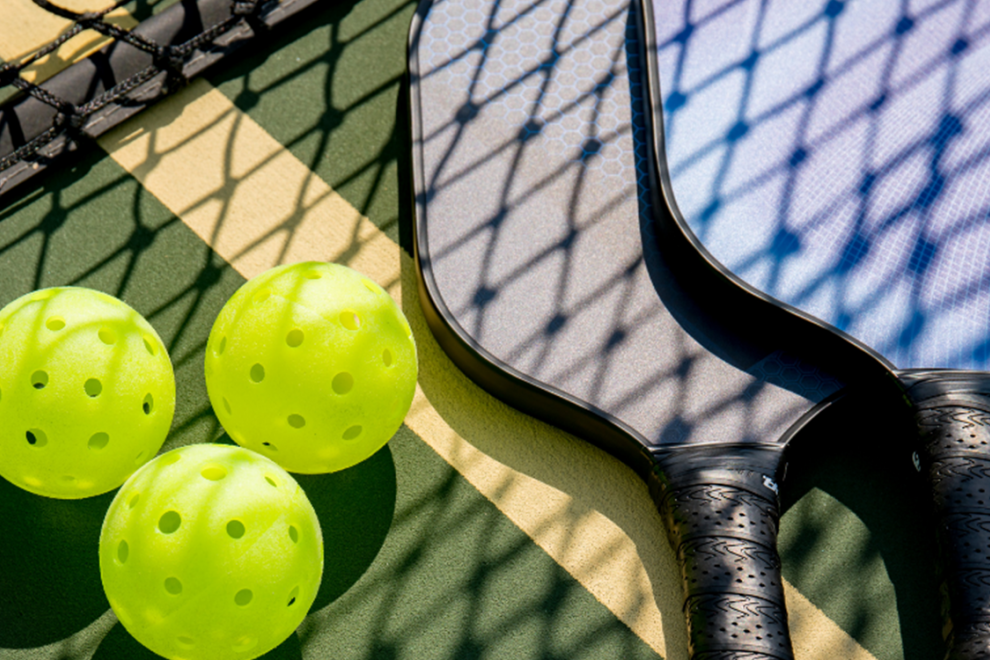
x,y
226,199
215,168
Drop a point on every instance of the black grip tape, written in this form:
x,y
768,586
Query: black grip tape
x,y
722,524
955,452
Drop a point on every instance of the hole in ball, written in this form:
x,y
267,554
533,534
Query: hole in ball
x,y
312,275
39,380
150,345
293,595
244,644
134,500
122,551
68,478
271,481
257,373
42,295
169,522
350,320
369,286
98,441
269,446
137,459
173,586
294,338
243,597
342,383
262,296
36,437
296,421
214,473
148,404
171,458
226,405
55,323
107,336
235,529
220,346
187,642
93,387
353,432
293,534
387,357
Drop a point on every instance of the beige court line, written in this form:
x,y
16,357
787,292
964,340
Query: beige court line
x,y
27,27
257,206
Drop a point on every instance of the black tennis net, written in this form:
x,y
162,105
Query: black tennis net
x,y
41,122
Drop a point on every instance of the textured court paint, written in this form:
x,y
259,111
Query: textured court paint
x,y
456,579
329,93
194,127
227,198
814,635
867,582
81,645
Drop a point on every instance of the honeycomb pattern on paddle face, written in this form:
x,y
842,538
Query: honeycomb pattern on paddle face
x,y
570,85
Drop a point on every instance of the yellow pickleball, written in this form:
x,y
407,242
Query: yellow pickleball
x,y
87,392
312,365
211,552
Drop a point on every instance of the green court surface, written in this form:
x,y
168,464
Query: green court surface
x,y
477,532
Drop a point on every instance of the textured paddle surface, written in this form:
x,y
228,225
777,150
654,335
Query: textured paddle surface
x,y
539,233
835,155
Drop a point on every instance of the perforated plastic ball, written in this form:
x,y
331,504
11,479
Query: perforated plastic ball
x,y
312,365
87,392
212,552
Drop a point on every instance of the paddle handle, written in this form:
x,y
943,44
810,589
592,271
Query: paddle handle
x,y
723,526
955,454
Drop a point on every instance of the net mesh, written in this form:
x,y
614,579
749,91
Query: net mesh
x,y
136,66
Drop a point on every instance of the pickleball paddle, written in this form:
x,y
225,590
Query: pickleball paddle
x,y
835,156
544,277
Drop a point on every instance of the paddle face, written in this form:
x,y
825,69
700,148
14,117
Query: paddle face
x,y
836,156
535,228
